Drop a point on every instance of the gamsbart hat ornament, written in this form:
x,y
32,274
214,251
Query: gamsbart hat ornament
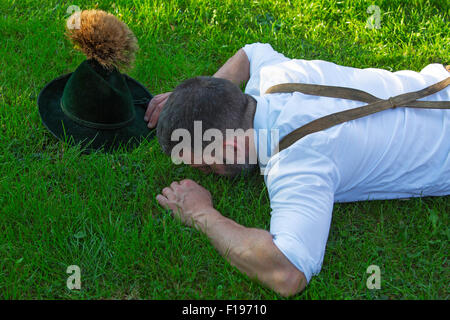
x,y
97,105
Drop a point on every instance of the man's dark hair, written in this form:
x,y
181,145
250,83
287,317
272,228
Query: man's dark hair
x,y
218,103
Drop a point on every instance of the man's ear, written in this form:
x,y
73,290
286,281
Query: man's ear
x,y
234,152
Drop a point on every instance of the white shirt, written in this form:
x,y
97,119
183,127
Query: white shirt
x,y
397,153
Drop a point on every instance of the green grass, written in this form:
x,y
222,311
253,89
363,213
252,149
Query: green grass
x,y
60,208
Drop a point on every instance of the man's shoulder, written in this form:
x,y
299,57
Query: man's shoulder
x,y
301,159
253,50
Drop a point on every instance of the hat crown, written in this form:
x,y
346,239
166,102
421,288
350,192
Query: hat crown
x,y
97,98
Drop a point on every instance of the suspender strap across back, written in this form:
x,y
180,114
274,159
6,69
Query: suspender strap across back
x,y
374,105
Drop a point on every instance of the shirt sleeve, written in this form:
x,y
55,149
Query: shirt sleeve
x,y
259,55
301,184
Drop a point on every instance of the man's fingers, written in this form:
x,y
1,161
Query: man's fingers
x,y
154,116
168,193
174,185
188,182
150,108
163,201
159,104
167,204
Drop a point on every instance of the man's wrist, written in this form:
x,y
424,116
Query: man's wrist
x,y
206,217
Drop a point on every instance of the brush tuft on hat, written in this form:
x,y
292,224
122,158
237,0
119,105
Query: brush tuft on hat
x,y
103,37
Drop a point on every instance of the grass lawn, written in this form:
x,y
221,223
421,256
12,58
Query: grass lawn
x,y
98,211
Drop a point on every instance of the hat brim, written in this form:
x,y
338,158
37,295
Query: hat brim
x,y
62,127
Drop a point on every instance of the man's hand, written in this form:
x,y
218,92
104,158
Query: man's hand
x,y
236,69
154,108
251,250
188,201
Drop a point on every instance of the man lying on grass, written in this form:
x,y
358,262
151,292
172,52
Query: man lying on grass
x,y
396,153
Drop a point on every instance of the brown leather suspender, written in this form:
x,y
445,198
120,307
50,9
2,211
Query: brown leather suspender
x,y
374,105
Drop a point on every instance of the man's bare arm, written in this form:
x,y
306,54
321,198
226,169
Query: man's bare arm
x,y
236,69
251,250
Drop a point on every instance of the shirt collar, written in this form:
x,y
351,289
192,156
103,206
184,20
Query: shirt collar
x,y
262,131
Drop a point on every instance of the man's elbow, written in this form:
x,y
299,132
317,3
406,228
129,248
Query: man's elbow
x,y
289,282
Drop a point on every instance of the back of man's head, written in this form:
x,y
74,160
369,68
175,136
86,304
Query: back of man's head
x,y
217,103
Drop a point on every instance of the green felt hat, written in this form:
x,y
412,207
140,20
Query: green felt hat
x,y
96,107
